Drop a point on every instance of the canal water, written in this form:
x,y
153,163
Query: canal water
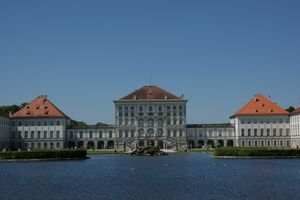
x,y
183,176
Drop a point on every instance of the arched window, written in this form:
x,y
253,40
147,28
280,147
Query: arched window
x,y
141,132
174,121
160,122
150,132
150,122
141,123
160,132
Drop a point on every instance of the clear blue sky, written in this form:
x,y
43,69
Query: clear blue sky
x,y
84,54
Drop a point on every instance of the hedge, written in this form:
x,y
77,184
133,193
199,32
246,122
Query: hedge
x,y
256,152
45,154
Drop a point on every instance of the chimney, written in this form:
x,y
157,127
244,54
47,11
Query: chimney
x,y
10,114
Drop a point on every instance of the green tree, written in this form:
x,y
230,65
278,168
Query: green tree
x,y
101,124
78,123
10,108
290,109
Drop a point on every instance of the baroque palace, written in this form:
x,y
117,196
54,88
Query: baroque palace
x,y
150,116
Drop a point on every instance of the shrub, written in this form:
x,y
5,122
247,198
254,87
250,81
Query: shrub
x,y
256,152
44,154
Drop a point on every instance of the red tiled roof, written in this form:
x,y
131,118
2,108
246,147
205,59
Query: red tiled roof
x,y
261,105
150,93
39,107
297,111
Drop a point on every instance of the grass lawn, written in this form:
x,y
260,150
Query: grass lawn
x,y
101,151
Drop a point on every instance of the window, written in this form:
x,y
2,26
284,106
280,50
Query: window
x,y
132,133
141,123
81,134
275,143
57,134
168,122
45,134
39,123
160,132
141,132
249,132
32,123
242,121
51,134
32,134
169,133
26,134
120,134
91,134
287,132
51,123
174,121
150,109
160,108
160,122
120,114
150,122
268,132
150,132
19,123
58,123
45,123
255,132
261,132
243,143
280,132
249,143
180,133
243,132
110,134
140,108
274,132
262,143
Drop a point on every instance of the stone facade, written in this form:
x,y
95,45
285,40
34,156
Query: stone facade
x,y
150,116
91,137
210,135
39,124
295,128
38,133
4,131
262,123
